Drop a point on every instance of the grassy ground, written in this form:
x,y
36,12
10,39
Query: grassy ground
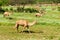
x,y
47,27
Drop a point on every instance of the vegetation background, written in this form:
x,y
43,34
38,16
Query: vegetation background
x,y
47,27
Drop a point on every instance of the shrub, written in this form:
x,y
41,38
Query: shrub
x,y
27,9
6,9
11,9
1,10
20,9
15,10
34,10
31,10
58,8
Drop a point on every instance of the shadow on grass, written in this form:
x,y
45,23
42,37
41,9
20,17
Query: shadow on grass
x,y
10,18
25,31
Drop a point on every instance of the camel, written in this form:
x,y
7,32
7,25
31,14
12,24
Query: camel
x,y
24,23
38,15
7,14
41,12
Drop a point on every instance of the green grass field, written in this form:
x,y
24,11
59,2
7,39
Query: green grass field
x,y
47,27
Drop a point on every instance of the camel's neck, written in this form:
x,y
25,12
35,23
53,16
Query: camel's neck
x,y
32,23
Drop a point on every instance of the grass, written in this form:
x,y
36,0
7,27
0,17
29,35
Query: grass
x,y
47,27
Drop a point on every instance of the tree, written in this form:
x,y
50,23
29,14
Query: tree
x,y
3,2
23,2
48,1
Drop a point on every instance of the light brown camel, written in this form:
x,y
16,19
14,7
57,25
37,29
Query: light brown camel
x,y
24,23
7,14
41,13
38,15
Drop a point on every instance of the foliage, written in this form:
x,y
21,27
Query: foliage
x,y
20,9
3,2
1,10
24,2
30,10
58,8
11,9
48,1
6,9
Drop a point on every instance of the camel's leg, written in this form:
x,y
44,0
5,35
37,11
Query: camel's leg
x,y
17,28
23,28
28,29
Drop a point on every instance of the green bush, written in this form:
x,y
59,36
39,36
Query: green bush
x,y
15,10
6,9
26,9
20,9
34,10
58,8
11,9
1,10
30,10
